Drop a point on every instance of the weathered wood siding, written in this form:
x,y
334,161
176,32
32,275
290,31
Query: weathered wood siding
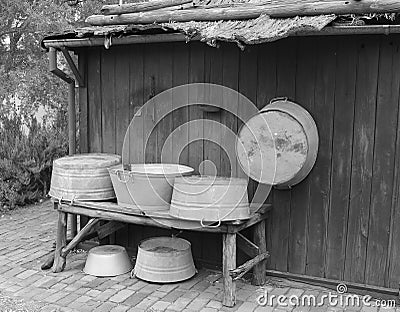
x,y
342,221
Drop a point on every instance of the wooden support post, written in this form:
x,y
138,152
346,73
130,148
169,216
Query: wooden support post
x,y
50,260
59,260
248,247
229,263
109,228
73,67
74,224
79,237
259,271
247,266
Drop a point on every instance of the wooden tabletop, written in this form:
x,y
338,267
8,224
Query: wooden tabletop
x,y
112,211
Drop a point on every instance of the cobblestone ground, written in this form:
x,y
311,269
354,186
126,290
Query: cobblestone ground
x,y
27,236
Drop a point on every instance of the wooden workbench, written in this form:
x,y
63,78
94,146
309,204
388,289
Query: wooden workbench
x,y
232,238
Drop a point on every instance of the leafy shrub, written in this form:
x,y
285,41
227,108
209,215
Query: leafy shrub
x,y
26,156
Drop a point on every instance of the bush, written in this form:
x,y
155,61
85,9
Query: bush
x,y
26,156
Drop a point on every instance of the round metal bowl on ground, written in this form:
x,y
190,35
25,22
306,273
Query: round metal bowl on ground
x,y
204,198
147,186
83,177
107,260
164,260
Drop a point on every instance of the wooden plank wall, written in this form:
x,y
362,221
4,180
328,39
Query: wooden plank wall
x,y
341,221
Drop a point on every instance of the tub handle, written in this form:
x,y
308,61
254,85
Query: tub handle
x,y
280,98
72,200
118,173
60,202
211,226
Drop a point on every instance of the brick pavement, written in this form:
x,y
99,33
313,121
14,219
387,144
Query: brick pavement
x,y
27,236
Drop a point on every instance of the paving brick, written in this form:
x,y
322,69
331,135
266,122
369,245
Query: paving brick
x,y
179,304
247,307
106,294
122,295
105,285
149,288
83,298
66,300
168,287
50,282
93,292
160,305
13,272
88,306
26,274
66,309
72,278
138,285
23,292
146,303
96,283
193,281
213,289
88,278
51,308
4,268
206,295
201,286
264,309
158,294
207,309
13,289
29,281
134,299
44,294
106,307
197,304
120,308
120,278
135,309
59,286
369,308
55,297
173,295
191,294
118,286
234,308
82,290
214,304
31,293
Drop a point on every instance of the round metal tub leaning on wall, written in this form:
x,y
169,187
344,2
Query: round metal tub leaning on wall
x,y
279,145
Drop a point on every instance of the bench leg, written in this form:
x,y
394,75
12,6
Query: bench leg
x,y
229,263
74,225
59,260
259,271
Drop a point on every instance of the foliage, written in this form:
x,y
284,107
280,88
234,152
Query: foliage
x,y
25,83
26,157
26,147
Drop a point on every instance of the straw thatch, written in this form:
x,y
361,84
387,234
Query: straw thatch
x,y
259,30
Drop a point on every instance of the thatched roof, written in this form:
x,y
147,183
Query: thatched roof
x,y
243,32
253,31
